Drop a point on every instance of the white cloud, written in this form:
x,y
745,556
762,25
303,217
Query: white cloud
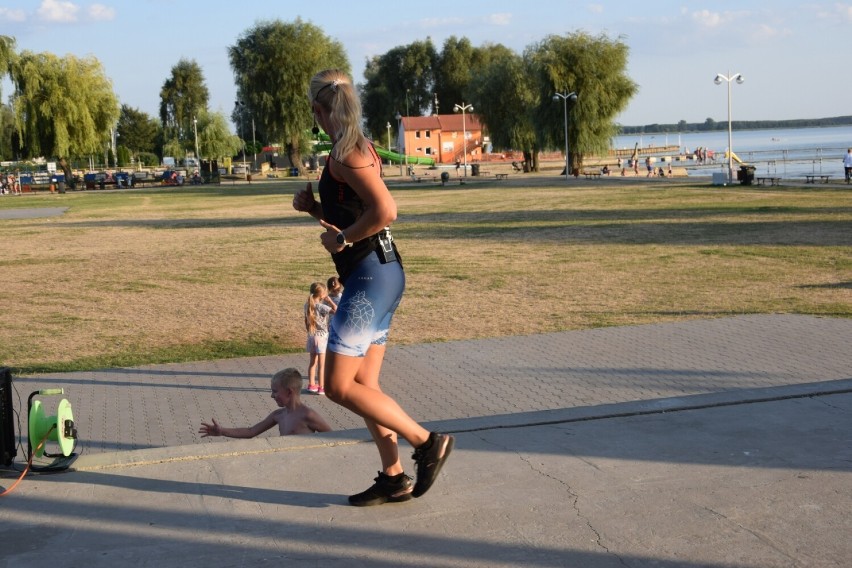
x,y
500,19
101,13
440,22
711,19
10,15
596,8
845,11
57,11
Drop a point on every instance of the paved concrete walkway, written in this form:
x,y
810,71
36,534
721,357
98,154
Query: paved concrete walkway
x,y
706,443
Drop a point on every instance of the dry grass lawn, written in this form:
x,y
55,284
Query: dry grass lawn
x,y
197,273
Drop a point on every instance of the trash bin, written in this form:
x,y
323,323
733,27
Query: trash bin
x,y
474,169
445,177
294,172
745,175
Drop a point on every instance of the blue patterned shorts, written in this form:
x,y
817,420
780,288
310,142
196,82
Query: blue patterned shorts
x,y
370,297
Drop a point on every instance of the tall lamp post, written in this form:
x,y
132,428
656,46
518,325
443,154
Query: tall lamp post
x,y
195,127
572,96
729,79
462,108
400,142
241,106
389,145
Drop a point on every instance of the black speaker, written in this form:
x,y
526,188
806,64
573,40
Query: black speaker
x,y
8,451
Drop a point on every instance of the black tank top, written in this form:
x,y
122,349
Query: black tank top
x,y
341,207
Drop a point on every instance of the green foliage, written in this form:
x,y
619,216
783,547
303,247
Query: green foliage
x,y
148,159
123,154
273,63
595,68
182,97
63,106
503,99
137,130
7,55
400,81
215,141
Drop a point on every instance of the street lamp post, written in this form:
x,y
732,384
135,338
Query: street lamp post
x,y
400,142
253,143
195,127
729,79
572,96
241,105
389,144
462,108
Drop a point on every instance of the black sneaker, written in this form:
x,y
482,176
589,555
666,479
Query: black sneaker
x,y
430,458
385,490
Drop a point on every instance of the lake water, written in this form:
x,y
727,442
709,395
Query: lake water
x,y
791,152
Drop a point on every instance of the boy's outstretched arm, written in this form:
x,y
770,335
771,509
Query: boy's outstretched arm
x,y
215,430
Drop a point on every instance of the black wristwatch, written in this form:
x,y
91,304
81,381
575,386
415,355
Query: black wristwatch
x,y
341,240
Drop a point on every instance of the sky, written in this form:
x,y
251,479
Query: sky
x,y
794,56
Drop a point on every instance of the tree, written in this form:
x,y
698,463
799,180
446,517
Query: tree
x,y
64,107
137,130
215,141
182,97
400,81
7,55
504,100
453,71
595,68
273,63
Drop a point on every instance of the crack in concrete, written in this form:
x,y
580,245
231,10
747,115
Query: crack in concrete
x,y
765,540
574,497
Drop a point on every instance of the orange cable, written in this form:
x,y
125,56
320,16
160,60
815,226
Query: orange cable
x,y
29,462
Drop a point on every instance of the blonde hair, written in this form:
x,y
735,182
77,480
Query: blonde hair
x,y
334,91
318,290
289,378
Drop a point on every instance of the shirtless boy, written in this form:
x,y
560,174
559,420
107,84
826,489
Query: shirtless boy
x,y
292,416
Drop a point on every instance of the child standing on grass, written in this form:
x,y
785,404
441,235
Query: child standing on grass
x,y
318,310
292,416
335,290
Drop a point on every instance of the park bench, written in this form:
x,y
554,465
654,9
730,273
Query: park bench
x,y
768,179
501,176
592,174
811,178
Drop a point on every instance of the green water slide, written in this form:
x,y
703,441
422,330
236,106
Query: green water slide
x,y
395,158
324,145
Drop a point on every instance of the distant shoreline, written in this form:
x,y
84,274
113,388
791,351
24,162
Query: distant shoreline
x,y
711,125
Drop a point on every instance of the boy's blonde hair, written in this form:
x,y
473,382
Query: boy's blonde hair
x,y
289,378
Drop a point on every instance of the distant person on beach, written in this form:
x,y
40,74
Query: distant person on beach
x,y
847,164
292,416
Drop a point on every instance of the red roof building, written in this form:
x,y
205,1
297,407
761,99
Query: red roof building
x,y
442,137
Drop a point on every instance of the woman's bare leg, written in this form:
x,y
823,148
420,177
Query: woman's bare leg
x,y
349,383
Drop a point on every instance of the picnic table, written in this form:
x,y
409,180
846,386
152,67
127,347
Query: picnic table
x,y
811,178
501,176
771,180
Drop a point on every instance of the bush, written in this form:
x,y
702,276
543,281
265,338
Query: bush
x,y
148,159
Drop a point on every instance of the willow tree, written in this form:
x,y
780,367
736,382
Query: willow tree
x,y
7,55
503,99
182,97
595,68
215,140
273,62
63,107
7,124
